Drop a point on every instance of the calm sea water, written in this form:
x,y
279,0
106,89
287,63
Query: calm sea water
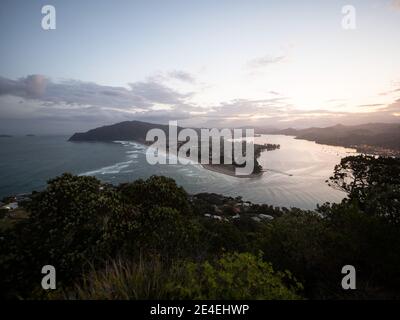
x,y
295,178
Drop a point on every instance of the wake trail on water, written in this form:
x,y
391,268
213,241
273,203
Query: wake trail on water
x,y
277,171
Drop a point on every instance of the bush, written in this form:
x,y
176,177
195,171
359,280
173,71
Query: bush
x,y
315,247
370,243
68,226
157,191
165,231
295,241
373,183
221,236
234,276
3,213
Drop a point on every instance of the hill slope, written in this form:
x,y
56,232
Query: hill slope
x,y
383,135
127,130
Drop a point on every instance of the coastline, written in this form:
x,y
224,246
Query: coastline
x,y
366,149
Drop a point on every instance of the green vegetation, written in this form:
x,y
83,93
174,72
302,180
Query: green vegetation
x,y
233,276
150,239
372,183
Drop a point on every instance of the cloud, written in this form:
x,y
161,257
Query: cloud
x,y
395,4
279,113
385,93
182,76
393,107
242,112
265,61
274,93
371,105
39,99
156,92
38,102
30,87
140,94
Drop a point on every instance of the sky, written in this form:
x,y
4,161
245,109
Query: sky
x,y
275,64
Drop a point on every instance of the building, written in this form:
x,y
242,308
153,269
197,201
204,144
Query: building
x,y
10,206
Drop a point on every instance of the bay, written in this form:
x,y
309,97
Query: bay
x,y
295,174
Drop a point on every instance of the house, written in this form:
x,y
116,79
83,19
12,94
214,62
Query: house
x,y
10,206
266,216
236,209
23,197
215,217
217,210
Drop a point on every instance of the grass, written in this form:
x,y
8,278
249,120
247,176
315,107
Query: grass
x,y
12,217
125,280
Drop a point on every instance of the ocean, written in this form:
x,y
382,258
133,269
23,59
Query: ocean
x,y
295,177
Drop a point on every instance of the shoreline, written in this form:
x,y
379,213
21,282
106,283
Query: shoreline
x,y
366,149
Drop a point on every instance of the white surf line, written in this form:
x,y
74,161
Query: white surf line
x,y
119,166
112,169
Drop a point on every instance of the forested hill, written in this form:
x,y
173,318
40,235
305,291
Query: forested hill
x,y
385,135
128,130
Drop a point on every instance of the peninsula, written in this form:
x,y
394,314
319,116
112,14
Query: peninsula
x,y
137,130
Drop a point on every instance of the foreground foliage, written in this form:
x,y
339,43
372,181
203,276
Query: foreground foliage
x,y
233,276
150,239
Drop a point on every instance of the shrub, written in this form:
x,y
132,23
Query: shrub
x,y
233,276
165,231
157,191
296,242
373,183
69,224
236,276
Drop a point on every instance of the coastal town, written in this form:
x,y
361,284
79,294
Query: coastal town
x,y
377,151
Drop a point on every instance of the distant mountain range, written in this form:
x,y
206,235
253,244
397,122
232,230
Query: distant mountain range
x,y
383,135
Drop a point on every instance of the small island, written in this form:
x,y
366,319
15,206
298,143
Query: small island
x,y
5,136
